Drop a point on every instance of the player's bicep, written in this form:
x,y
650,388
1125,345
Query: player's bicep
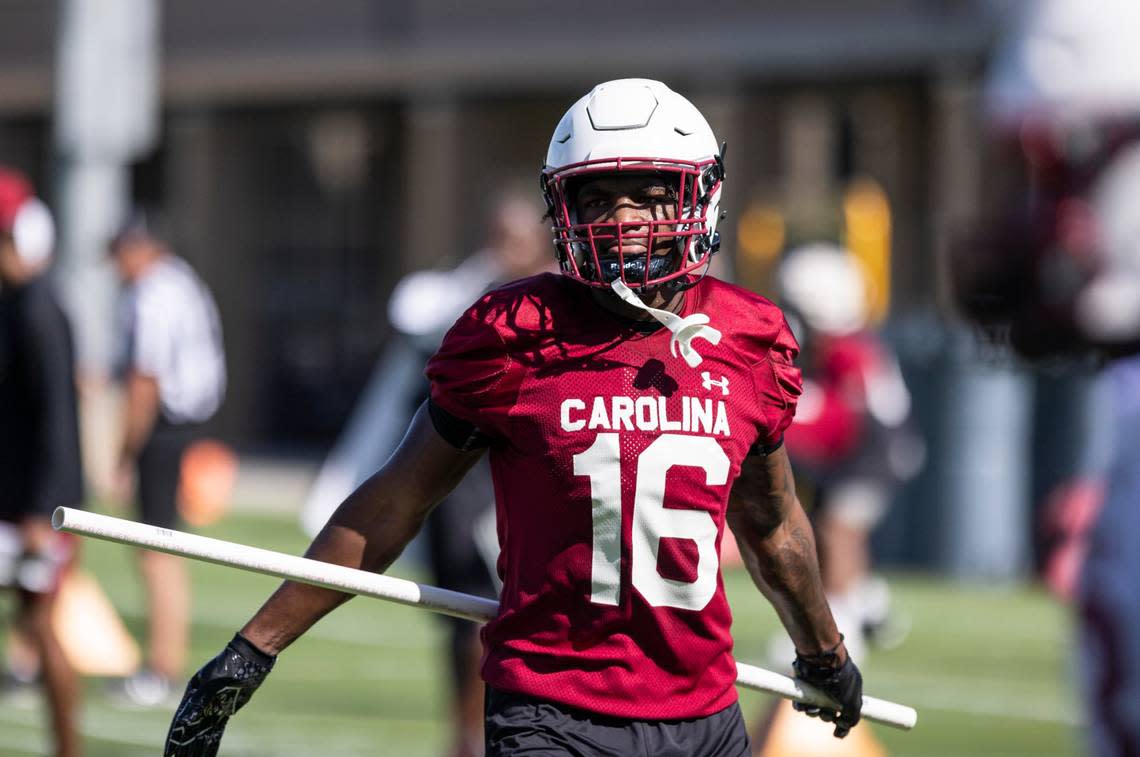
x,y
763,496
428,463
374,524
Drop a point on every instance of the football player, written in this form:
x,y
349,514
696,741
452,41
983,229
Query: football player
x,y
631,407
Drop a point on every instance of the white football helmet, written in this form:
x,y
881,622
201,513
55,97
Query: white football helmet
x,y
635,126
826,287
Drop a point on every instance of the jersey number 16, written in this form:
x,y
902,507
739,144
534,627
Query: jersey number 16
x,y
652,520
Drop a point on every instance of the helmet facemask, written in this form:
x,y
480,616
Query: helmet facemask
x,y
593,252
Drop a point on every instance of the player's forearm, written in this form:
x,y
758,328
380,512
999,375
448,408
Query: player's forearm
x,y
367,532
790,566
785,566
778,547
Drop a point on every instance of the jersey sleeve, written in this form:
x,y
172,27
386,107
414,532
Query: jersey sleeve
x,y
470,376
779,383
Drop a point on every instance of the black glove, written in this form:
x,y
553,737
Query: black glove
x,y
217,691
843,683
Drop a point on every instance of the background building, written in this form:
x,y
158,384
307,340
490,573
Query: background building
x,y
311,152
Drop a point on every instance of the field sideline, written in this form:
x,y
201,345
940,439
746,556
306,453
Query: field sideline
x,y
988,669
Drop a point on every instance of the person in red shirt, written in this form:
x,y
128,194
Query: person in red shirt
x,y
853,436
631,407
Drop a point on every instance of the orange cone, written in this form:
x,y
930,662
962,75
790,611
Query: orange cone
x,y
91,633
209,469
793,734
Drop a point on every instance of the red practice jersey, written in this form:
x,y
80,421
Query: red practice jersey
x,y
854,404
613,461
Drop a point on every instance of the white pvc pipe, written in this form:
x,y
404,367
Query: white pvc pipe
x,y
272,563
398,590
876,710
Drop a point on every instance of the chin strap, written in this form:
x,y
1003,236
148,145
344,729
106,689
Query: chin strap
x,y
685,330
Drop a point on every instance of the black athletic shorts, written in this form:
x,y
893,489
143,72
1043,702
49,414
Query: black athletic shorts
x,y
160,470
522,726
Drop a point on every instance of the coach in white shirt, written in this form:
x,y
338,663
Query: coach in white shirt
x,y
173,367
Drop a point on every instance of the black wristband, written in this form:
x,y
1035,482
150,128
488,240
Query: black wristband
x,y
246,649
828,659
763,450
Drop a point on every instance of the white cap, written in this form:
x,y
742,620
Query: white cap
x,y
33,233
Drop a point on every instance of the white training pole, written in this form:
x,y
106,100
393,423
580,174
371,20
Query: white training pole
x,y
877,710
398,590
273,563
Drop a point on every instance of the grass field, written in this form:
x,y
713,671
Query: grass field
x,y
988,669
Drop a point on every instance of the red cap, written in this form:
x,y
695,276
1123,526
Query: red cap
x,y
14,192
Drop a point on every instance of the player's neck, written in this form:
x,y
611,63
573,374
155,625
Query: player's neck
x,y
660,298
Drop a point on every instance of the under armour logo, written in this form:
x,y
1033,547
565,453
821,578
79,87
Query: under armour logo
x,y
707,381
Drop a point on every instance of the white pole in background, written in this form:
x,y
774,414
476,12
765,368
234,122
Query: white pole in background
x,y
106,116
341,578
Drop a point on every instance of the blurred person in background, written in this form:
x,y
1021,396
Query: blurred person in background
x,y
40,467
853,444
1058,271
852,438
613,631
461,540
173,369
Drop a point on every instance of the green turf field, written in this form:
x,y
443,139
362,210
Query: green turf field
x,y
987,669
